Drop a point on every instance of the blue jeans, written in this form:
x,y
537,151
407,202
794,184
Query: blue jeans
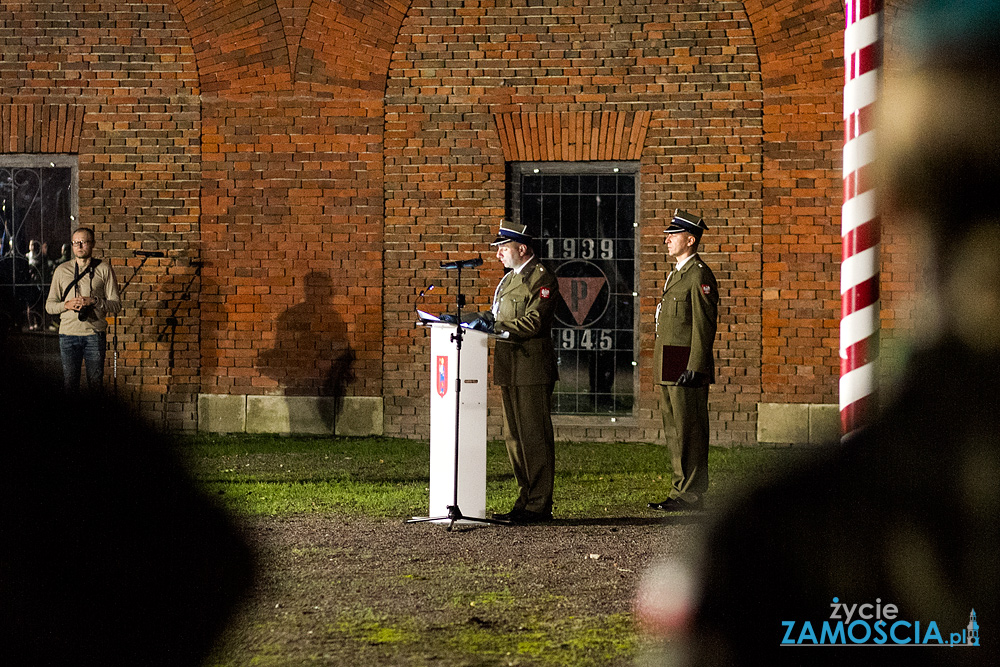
x,y
77,349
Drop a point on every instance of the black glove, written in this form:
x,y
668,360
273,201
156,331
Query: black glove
x,y
448,319
482,322
691,378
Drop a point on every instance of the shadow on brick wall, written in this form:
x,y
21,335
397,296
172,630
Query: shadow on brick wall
x,y
312,355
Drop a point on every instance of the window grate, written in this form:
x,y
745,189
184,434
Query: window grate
x,y
36,213
583,216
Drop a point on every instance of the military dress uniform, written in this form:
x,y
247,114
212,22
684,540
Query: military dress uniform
x,y
524,366
686,321
525,369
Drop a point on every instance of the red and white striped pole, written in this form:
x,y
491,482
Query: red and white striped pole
x,y
860,224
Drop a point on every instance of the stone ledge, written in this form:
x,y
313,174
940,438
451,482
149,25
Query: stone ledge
x,y
361,415
290,415
798,423
222,413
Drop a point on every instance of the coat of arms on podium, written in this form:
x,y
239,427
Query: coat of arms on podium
x,y
442,376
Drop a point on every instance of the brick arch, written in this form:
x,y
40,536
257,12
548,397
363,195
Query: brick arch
x,y
578,135
461,81
349,44
270,45
801,53
41,128
240,47
291,104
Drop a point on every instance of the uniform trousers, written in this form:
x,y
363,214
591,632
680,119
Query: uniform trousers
x,y
531,444
685,426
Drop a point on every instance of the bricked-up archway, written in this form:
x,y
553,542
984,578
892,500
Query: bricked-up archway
x,y
691,68
800,43
292,195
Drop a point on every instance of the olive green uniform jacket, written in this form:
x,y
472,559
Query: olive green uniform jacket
x,y
687,317
525,305
525,367
685,331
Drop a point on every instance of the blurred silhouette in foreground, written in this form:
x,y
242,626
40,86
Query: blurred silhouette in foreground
x,y
109,554
886,548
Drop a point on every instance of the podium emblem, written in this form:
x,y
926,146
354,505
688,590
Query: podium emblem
x,y
442,376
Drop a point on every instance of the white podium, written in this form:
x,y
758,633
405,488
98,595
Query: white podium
x,y
471,417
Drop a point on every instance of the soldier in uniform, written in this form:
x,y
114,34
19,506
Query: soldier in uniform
x,y
524,366
904,512
683,361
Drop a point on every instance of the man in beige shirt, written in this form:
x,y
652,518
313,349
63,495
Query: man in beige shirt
x,y
83,292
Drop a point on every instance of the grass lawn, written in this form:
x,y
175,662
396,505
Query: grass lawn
x,y
387,477
344,580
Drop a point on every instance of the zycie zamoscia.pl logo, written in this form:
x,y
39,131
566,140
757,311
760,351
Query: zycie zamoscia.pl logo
x,y
874,624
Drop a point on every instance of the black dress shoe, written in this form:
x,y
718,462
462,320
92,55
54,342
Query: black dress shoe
x,y
527,516
507,516
676,505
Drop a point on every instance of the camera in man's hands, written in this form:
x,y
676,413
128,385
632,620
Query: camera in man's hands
x,y
85,313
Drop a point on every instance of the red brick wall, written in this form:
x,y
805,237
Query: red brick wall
x,y
692,66
800,44
130,69
307,165
903,272
292,193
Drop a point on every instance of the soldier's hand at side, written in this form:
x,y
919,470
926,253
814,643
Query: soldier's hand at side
x,y
691,378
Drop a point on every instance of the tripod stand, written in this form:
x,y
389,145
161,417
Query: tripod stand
x,y
454,512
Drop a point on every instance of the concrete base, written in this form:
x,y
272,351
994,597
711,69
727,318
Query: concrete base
x,y
308,415
290,415
222,413
798,423
361,415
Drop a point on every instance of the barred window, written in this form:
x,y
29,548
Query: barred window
x,y
37,213
583,216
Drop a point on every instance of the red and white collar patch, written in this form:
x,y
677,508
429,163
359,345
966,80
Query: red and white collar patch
x,y
545,292
706,289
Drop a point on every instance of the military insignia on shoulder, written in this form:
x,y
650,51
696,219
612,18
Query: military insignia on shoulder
x,y
706,289
545,292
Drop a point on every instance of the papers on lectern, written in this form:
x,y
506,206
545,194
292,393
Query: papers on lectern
x,y
427,317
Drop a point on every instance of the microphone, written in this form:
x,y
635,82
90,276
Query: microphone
x,y
150,253
423,316
463,264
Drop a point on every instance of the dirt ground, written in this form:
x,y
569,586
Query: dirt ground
x,y
342,591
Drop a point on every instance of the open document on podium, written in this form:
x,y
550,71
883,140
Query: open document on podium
x,y
430,318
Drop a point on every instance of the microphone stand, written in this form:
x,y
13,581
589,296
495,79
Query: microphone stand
x,y
454,512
